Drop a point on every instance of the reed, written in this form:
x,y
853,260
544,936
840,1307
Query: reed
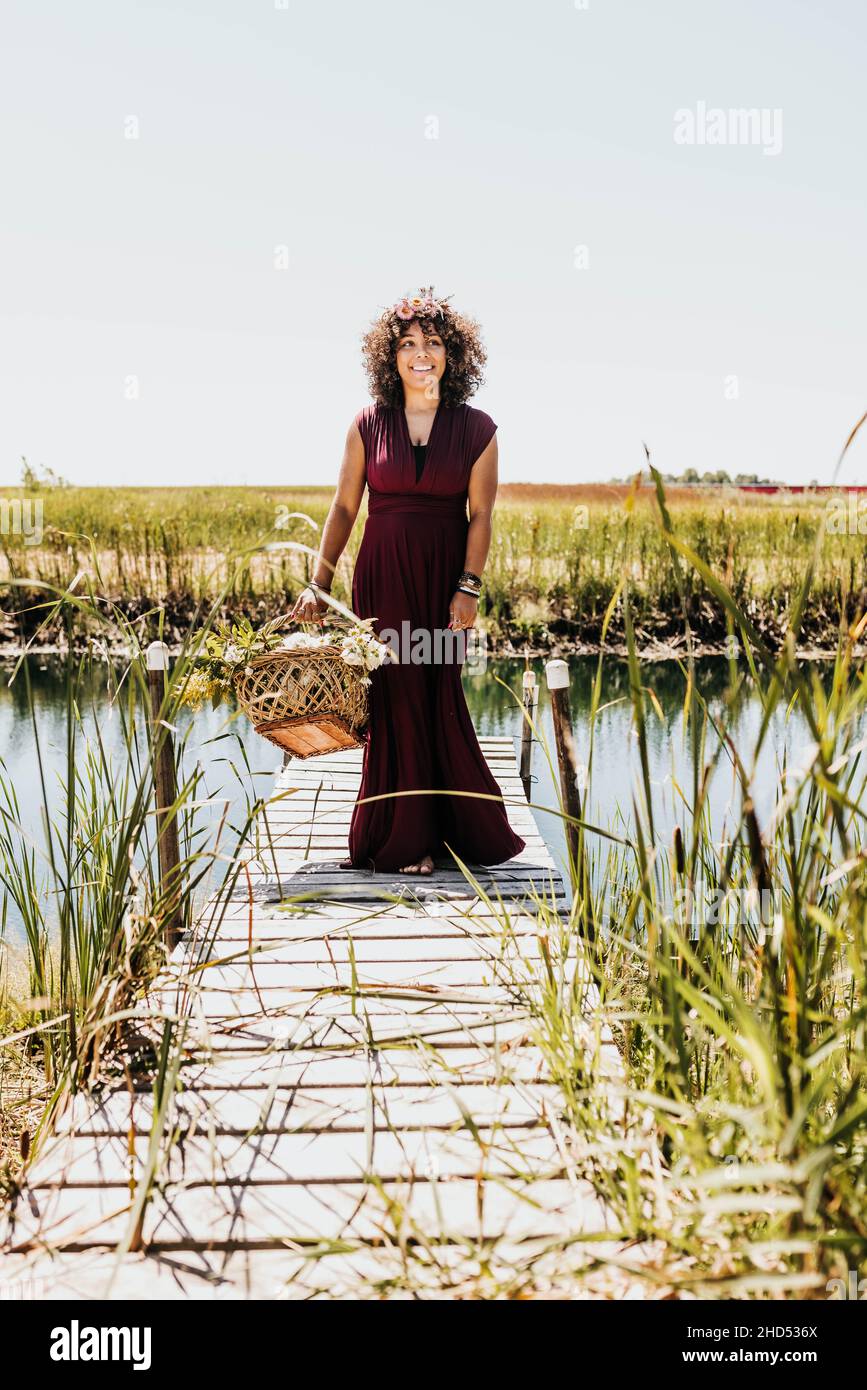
x,y
731,965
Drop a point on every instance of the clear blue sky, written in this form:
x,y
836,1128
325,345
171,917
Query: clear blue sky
x,y
261,127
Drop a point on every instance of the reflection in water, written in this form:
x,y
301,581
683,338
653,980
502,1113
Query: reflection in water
x,y
238,766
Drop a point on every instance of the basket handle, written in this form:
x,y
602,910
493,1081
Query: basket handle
x,y
341,614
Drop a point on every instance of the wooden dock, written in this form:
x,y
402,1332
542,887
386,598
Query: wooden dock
x,y
360,1100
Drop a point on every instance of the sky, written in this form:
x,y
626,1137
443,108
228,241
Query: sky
x,y
204,204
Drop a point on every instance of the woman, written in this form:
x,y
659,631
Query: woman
x,y
423,454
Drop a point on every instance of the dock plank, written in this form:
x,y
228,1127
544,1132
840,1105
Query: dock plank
x,y
352,1047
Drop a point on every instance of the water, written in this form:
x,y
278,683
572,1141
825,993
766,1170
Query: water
x,y
616,771
238,765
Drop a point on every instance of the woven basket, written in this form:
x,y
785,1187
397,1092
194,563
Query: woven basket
x,y
308,702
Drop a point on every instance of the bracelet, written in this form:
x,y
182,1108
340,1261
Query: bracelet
x,y
314,585
473,578
462,590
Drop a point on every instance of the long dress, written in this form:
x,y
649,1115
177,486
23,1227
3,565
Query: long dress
x,y
420,736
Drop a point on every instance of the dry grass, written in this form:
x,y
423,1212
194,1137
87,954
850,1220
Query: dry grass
x,y
558,552
22,1100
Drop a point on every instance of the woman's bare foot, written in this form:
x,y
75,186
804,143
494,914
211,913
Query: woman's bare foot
x,y
421,866
345,864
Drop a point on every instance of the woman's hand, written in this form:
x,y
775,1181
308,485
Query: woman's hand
x,y
308,608
463,611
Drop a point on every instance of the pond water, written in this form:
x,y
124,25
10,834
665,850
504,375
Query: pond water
x,y
238,765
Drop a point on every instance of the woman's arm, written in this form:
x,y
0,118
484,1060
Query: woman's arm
x,y
338,527
482,493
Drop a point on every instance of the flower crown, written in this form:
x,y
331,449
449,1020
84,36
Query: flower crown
x,y
419,306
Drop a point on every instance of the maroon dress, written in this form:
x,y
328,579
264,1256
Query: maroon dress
x,y
420,733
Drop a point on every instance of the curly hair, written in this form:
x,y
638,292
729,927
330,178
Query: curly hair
x,y
465,355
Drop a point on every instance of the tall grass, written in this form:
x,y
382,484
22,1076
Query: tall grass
x,y
84,888
553,564
731,964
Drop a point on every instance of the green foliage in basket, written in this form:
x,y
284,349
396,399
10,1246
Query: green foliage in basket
x,y
230,646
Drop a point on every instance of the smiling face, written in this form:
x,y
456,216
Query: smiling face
x,y
421,360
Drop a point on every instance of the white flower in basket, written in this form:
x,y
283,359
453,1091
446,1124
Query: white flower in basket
x,y
362,648
302,640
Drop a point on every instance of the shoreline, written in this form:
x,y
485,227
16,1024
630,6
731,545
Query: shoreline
x,y
654,651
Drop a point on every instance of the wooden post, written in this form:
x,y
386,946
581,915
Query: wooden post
x,y
165,784
530,705
557,677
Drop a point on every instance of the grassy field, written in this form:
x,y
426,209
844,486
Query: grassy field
x,y
557,555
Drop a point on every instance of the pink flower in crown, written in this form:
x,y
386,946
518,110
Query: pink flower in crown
x,y
420,305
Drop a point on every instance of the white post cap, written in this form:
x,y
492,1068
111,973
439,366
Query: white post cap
x,y
158,657
529,680
557,675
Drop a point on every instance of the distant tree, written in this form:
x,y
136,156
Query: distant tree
x,y
32,480
712,478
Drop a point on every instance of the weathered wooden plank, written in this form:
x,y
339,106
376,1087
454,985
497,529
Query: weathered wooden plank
x,y
305,885
413,897
197,1158
381,1010
404,1066
366,946
328,838
436,1029
368,901
304,823
347,787
336,810
238,1214
366,949
304,1108
318,915
393,926
439,1036
282,979
358,1271
434,939
526,866
335,818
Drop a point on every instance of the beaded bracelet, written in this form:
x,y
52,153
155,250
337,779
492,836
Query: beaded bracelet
x,y
461,589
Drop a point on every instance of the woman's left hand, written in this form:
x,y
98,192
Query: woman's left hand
x,y
463,611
